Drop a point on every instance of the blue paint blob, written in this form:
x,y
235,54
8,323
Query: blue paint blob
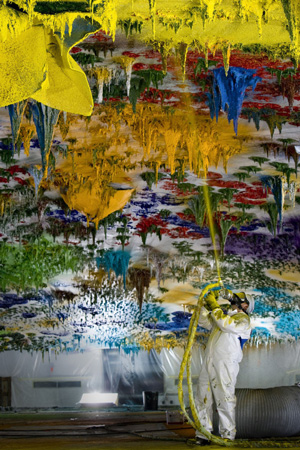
x,y
260,332
173,219
72,216
9,300
180,322
117,261
262,309
276,294
61,316
229,92
37,175
28,315
289,323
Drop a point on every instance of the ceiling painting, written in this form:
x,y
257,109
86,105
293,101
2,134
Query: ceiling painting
x,y
145,151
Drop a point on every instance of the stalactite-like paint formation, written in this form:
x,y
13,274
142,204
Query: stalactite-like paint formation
x,y
290,8
87,188
182,50
15,114
103,76
45,119
171,140
152,9
5,203
226,58
117,261
229,91
203,148
38,174
64,124
26,133
126,63
276,184
140,278
12,22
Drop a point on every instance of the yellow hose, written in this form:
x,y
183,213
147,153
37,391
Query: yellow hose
x,y
185,365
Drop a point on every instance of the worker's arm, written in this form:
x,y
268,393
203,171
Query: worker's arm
x,y
210,303
205,320
238,323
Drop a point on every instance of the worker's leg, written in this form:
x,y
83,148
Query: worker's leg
x,y
204,400
223,386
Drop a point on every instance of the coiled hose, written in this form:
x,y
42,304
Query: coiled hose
x,y
268,412
194,421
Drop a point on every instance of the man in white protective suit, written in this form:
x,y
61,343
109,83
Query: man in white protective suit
x,y
217,379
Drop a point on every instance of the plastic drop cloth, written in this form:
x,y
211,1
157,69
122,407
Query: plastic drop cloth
x,y
61,380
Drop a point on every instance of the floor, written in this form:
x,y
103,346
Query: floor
x,y
105,429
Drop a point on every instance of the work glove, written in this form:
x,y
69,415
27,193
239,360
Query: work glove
x,y
210,300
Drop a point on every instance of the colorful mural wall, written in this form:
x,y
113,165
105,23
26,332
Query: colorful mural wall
x,y
140,160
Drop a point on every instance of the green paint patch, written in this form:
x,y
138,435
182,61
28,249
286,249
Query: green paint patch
x,y
26,267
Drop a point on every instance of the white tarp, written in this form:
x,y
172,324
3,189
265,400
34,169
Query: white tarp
x,y
129,374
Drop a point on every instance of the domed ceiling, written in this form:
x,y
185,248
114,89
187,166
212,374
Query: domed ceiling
x,y
148,148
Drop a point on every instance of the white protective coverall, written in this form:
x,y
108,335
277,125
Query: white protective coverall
x,y
220,367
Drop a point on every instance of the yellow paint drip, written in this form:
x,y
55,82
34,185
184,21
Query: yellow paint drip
x,y
152,9
202,139
292,12
126,63
146,127
107,17
87,188
103,76
63,122
209,6
58,22
30,9
258,9
226,57
26,133
12,23
155,138
165,49
171,137
182,50
5,203
101,73
204,148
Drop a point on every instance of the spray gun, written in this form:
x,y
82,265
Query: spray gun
x,y
233,299
226,294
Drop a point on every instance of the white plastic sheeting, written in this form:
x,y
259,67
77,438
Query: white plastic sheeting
x,y
270,366
60,380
